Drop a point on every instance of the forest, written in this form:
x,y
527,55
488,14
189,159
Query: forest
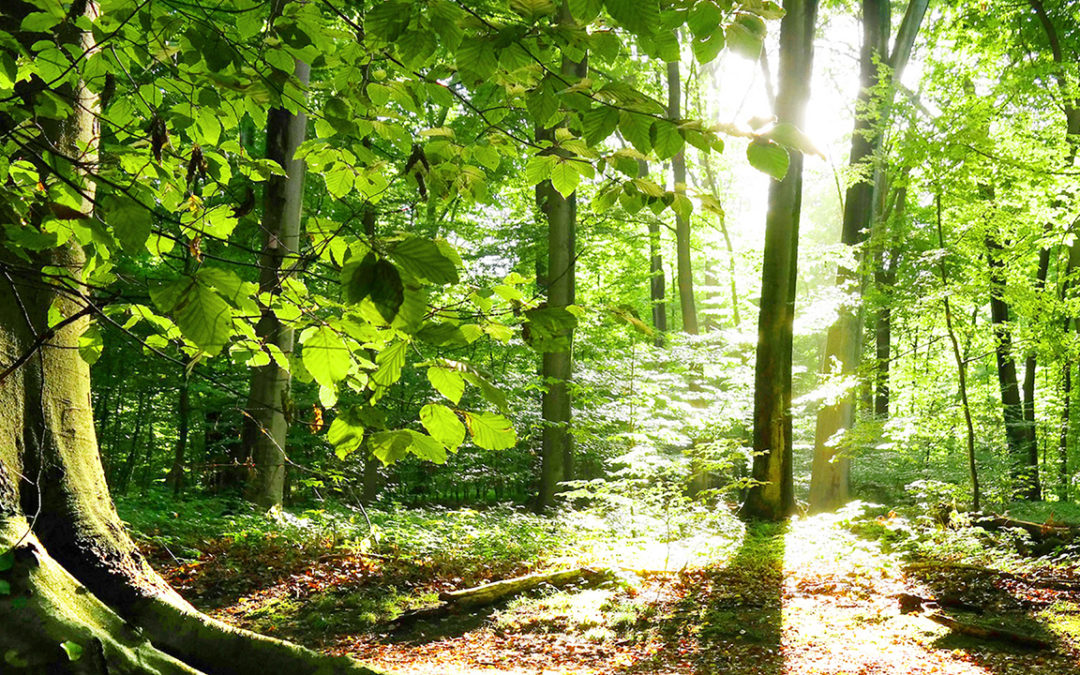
x,y
540,337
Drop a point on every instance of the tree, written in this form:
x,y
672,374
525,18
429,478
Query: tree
x,y
557,451
265,424
682,219
830,475
772,496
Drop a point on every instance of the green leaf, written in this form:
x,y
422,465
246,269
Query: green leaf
x,y
707,49
387,20
584,11
539,168
443,425
666,45
599,123
549,329
492,393
668,139
769,157
791,136
447,382
745,36
682,206
73,650
203,317
346,432
40,22
339,180
390,446
5,587
565,177
7,560
376,280
640,17
325,355
490,431
91,344
635,129
390,361
478,58
426,447
704,19
423,259
131,225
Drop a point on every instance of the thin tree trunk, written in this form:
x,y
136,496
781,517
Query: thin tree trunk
x,y
557,445
772,497
124,479
961,366
183,419
710,179
1071,104
656,272
265,425
1023,452
682,224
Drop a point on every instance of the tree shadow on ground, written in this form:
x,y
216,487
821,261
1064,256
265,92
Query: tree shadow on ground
x,y
728,619
986,598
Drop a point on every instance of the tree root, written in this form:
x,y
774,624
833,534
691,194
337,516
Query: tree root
x,y
53,623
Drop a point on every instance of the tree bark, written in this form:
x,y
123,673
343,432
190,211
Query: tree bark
x,y
961,365
682,225
772,497
557,444
656,272
265,425
829,482
1020,437
183,414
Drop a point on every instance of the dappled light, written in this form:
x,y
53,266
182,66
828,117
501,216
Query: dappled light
x,y
539,337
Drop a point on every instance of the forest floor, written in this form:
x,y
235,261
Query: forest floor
x,y
810,598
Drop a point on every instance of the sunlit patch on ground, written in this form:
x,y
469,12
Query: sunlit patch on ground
x,y
809,598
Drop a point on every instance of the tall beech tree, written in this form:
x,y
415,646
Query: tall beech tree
x,y
831,465
685,273
265,424
772,497
557,450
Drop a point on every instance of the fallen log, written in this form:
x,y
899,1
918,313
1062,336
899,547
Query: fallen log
x,y
983,633
929,608
491,593
1037,531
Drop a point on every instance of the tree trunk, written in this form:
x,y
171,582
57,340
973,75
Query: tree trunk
x,y
123,480
682,225
265,424
1023,452
961,365
557,449
829,481
656,272
772,497
183,414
